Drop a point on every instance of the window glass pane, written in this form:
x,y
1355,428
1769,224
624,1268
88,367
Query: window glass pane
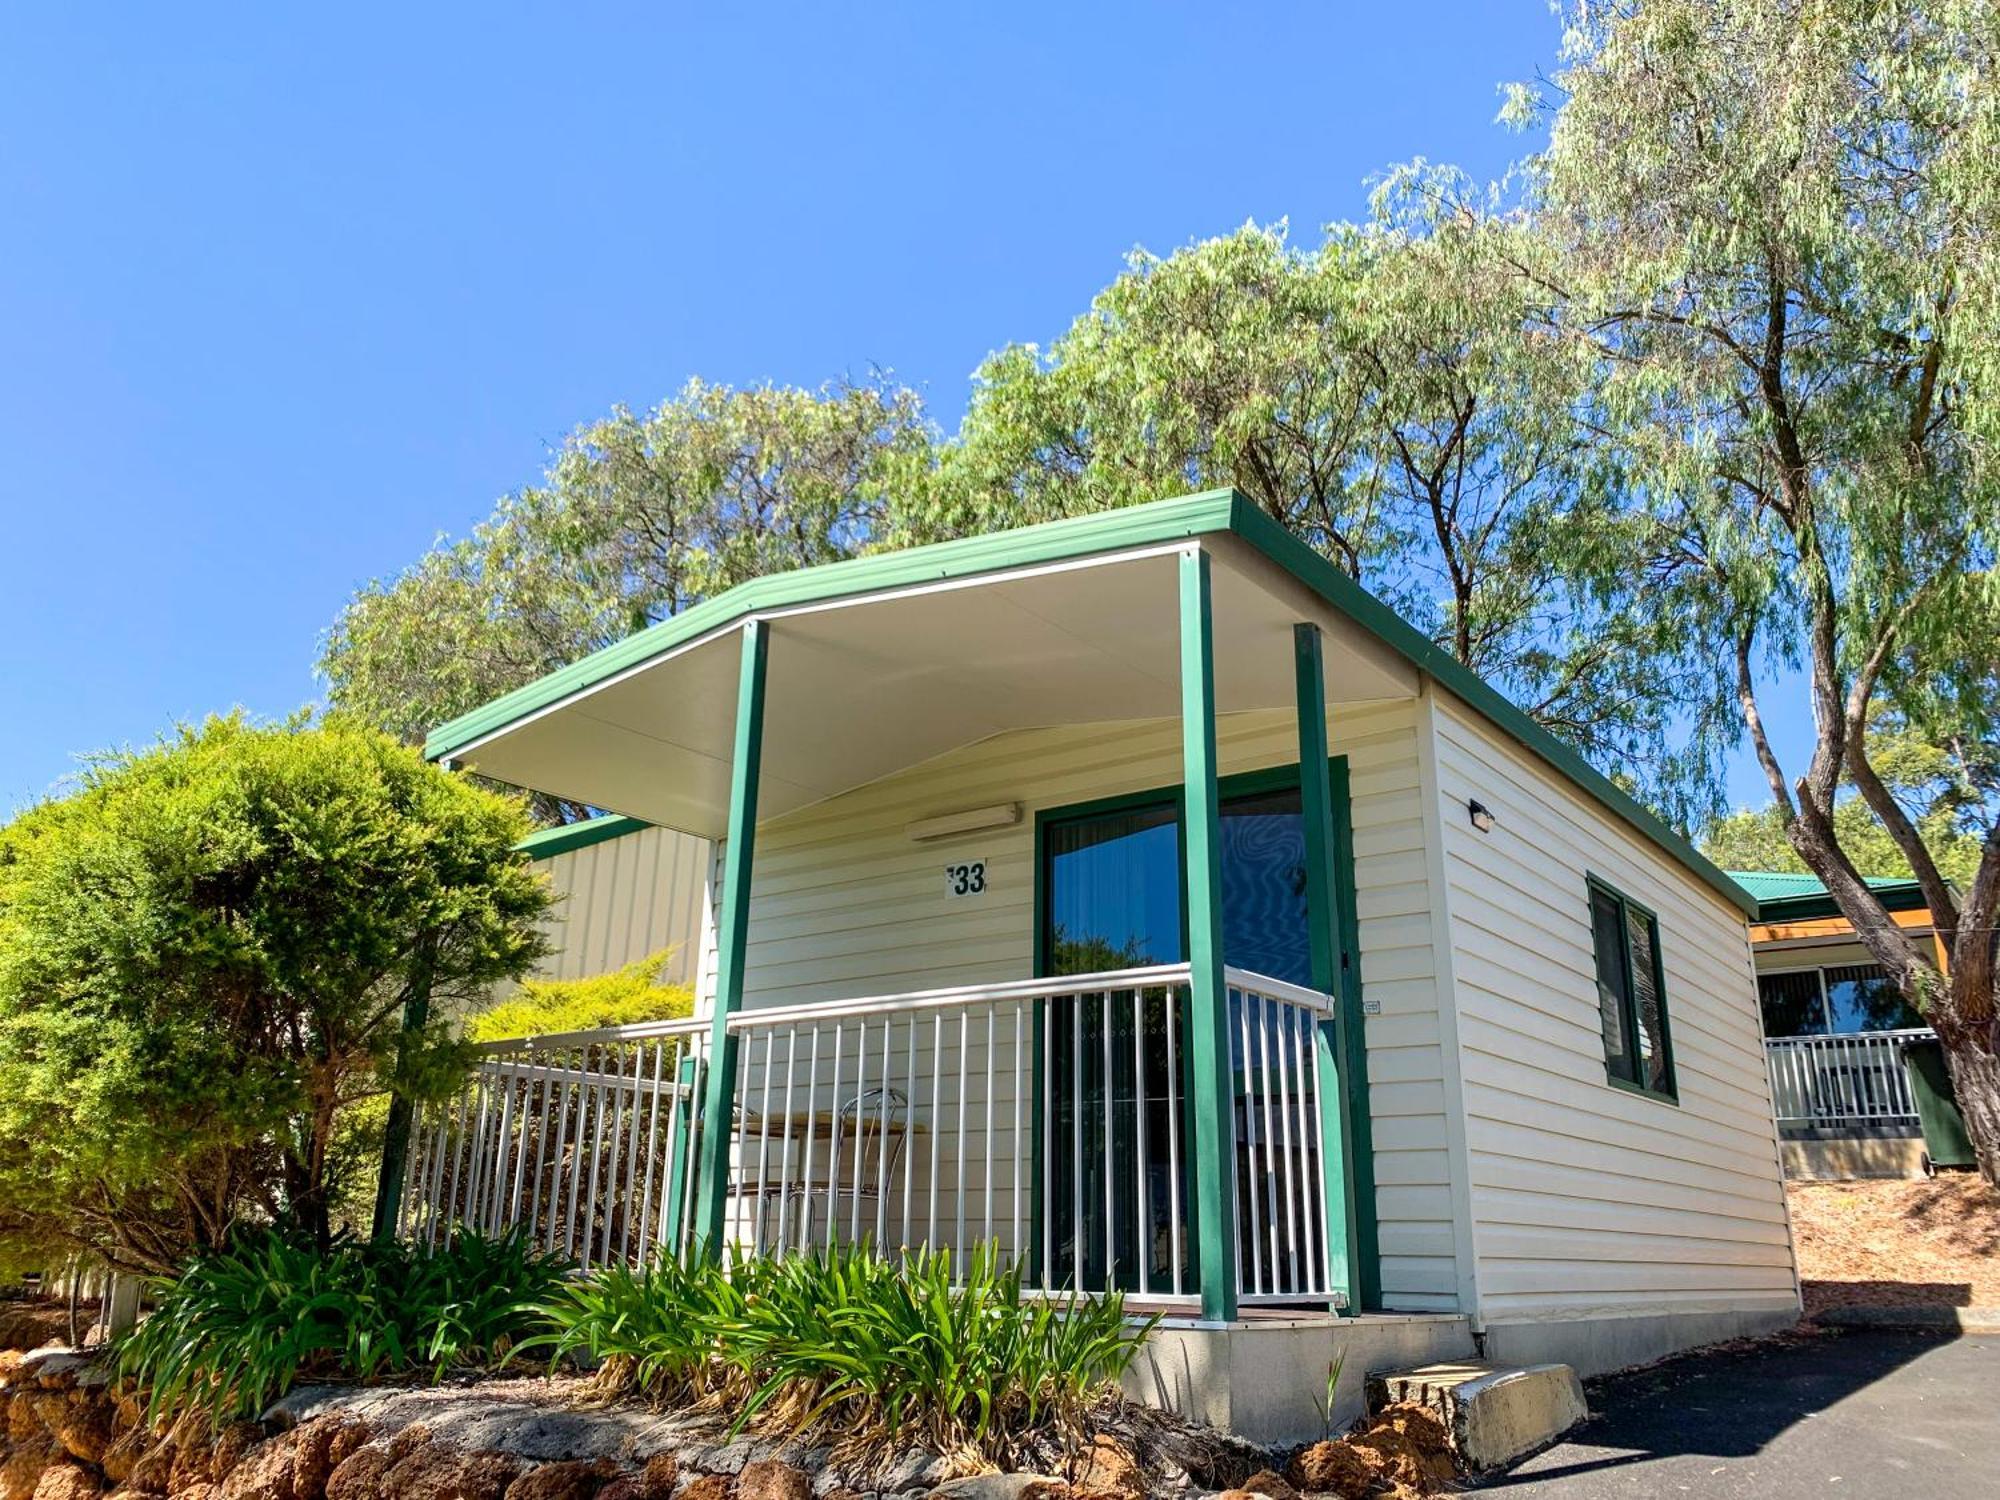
x,y
1604,924
1655,1069
1264,886
1114,891
1862,998
1791,1003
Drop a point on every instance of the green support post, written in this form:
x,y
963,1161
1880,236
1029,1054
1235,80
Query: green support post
x,y
681,1116
732,942
1343,1242
389,1186
1213,1093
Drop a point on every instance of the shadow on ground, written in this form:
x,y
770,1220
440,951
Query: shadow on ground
x,y
1820,1295
1684,1424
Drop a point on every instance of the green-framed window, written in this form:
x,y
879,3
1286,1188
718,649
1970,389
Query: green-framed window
x,y
1631,992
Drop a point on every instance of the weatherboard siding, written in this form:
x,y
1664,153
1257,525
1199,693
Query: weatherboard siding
x,y
1586,1200
844,904
622,898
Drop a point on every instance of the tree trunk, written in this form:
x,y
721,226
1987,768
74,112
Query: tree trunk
x,y
1975,1078
1970,1054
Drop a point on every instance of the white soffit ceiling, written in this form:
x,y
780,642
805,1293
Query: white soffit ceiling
x,y
859,688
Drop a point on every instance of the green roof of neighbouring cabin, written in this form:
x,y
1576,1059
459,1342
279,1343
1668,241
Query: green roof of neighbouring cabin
x,y
1787,895
1216,512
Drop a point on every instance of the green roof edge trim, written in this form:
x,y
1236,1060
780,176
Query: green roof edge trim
x,y
570,836
1209,512
1903,896
1051,541
1372,615
1809,898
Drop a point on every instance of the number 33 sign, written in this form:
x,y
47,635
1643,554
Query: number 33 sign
x,y
967,878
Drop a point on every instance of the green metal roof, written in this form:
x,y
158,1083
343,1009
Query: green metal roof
x,y
1214,512
1786,894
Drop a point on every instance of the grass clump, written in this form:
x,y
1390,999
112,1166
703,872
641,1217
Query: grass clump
x,y
240,1325
845,1342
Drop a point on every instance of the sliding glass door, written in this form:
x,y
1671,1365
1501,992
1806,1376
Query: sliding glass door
x,y
1115,1145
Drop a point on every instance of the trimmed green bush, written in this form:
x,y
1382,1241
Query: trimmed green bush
x,y
234,1330
867,1347
548,1007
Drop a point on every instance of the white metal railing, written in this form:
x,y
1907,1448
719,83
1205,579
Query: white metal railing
x,y
584,1140
1047,1118
1281,1190
1837,1080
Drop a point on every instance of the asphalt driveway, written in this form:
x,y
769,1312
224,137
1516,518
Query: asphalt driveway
x,y
1857,1414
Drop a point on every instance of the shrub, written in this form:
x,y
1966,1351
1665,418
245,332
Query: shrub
x,y
548,1007
234,1330
205,955
871,1348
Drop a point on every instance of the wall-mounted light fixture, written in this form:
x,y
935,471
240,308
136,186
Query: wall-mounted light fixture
x,y
1482,815
972,820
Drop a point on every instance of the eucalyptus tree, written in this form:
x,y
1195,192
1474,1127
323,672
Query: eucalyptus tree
x,y
1930,782
638,516
1772,224
1382,395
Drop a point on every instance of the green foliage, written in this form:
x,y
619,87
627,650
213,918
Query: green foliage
x,y
1927,783
241,1324
1381,396
1755,839
1771,227
548,1007
849,1343
638,516
204,958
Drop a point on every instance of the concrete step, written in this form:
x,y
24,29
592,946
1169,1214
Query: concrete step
x,y
1494,1413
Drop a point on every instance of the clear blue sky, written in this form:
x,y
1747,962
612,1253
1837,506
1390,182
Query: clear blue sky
x,y
284,296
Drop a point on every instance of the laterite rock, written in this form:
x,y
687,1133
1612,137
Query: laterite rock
x,y
68,1481
568,1479
359,1475
488,1476
152,1474
773,1479
701,1487
264,1473
22,1471
657,1479
125,1453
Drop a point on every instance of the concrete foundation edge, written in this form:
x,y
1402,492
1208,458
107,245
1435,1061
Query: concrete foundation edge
x,y
1849,1159
1266,1381
1597,1346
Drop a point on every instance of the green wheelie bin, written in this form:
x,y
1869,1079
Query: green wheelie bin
x,y
1945,1142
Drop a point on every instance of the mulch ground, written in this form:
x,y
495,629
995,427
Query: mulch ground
x,y
1894,1243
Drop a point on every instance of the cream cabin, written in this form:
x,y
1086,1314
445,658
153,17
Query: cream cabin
x,y
1137,899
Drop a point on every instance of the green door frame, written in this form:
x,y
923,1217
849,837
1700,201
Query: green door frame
x,y
1346,1042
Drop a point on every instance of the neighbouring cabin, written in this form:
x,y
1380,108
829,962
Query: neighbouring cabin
x,y
1835,1027
624,890
1137,899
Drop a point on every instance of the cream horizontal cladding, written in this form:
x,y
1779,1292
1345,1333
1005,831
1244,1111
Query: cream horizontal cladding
x,y
621,898
844,904
1587,1200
